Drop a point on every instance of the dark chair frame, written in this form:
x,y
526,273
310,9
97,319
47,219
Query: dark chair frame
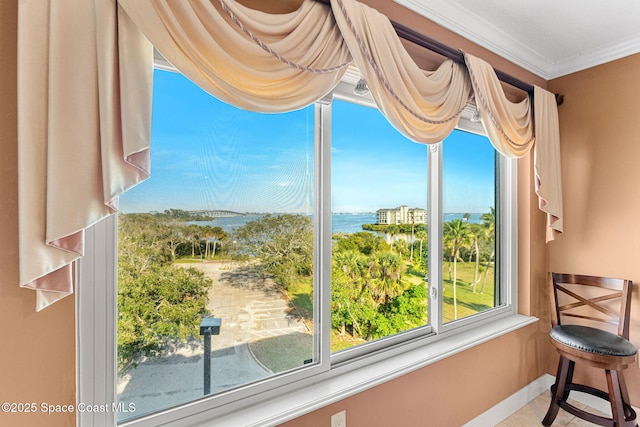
x,y
623,414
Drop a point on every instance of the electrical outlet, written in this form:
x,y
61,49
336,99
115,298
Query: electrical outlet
x,y
339,419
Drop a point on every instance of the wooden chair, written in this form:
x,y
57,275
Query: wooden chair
x,y
585,301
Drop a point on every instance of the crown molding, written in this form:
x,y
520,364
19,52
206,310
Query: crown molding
x,y
492,38
600,56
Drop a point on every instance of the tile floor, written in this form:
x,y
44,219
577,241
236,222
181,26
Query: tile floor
x,y
533,413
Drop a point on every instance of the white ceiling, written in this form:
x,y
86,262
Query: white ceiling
x,y
550,38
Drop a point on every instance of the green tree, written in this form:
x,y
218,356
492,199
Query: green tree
x,y
387,272
402,248
366,243
352,264
141,242
213,235
456,236
405,311
349,291
282,244
422,236
413,236
173,234
392,230
476,233
194,235
158,303
364,288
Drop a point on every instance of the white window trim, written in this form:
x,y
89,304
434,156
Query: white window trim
x,y
348,380
278,400
96,324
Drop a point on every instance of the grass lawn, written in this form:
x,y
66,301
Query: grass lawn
x,y
297,347
468,302
301,296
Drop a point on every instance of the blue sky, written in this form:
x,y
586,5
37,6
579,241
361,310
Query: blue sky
x,y
208,155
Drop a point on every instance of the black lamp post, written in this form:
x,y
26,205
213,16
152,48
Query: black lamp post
x,y
209,326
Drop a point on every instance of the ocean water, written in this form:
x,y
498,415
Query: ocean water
x,y
340,222
474,219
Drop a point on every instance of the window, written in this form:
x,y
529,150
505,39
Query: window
x,y
316,243
469,226
230,187
379,187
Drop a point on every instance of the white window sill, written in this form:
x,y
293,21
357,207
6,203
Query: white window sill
x,y
345,381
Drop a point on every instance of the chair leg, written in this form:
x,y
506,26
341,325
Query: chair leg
x,y
617,406
559,391
622,414
569,380
625,396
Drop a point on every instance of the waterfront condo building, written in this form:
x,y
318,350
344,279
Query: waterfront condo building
x,y
401,215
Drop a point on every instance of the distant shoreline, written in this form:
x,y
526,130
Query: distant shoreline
x,y
342,222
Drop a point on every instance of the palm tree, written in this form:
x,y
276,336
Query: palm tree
x,y
392,230
402,247
489,224
350,262
349,280
412,239
422,236
213,235
355,266
476,232
388,268
193,233
456,236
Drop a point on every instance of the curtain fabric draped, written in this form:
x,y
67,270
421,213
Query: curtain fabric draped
x,y
78,146
508,125
85,83
202,41
546,159
423,105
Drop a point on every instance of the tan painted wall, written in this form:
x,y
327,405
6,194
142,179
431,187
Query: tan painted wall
x,y
37,350
37,361
600,134
447,393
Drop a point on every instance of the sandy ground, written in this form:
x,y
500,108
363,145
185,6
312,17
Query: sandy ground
x,y
251,308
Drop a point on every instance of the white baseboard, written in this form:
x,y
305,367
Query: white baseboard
x,y
525,395
512,403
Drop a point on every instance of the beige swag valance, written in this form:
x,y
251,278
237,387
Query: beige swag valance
x,y
85,72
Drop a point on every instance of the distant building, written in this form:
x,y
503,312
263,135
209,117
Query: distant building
x,y
401,215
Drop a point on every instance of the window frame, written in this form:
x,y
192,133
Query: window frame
x,y
334,376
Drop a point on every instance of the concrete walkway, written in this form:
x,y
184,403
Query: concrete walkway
x,y
250,307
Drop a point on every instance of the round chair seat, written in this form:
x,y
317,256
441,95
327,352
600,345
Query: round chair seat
x,y
592,340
